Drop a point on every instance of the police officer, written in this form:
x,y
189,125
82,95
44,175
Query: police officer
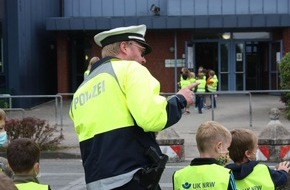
x,y
117,111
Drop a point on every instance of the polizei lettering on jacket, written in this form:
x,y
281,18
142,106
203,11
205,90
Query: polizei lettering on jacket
x,y
84,97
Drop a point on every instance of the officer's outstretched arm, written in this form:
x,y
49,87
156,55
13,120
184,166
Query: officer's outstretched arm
x,y
187,92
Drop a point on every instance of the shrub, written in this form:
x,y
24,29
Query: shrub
x,y
4,103
38,130
284,68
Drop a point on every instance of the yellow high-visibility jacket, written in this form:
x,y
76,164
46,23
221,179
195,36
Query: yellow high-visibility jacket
x,y
115,113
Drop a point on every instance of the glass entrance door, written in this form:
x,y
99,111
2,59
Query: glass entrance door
x,y
275,55
243,65
224,66
239,68
231,66
240,63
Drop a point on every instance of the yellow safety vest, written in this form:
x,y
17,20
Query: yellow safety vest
x,y
201,86
209,177
259,178
185,83
192,80
213,87
31,186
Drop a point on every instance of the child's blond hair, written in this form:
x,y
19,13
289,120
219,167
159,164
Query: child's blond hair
x,y
209,133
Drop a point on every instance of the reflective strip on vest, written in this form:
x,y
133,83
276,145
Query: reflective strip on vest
x,y
210,176
30,186
259,178
112,182
93,92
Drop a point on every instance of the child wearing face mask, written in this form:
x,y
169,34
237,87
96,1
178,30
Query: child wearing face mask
x,y
23,158
3,134
208,171
249,173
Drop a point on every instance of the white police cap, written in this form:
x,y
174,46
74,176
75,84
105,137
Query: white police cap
x,y
134,33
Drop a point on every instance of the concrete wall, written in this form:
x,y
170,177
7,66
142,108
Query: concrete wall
x,y
96,8
227,7
29,49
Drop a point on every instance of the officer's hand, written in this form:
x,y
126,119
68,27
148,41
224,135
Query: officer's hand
x,y
187,92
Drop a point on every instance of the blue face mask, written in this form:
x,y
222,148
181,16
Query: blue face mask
x,y
3,139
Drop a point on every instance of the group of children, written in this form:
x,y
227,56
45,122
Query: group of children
x,y
211,170
216,146
20,169
208,82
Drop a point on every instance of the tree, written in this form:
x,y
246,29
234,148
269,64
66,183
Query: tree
x,y
284,68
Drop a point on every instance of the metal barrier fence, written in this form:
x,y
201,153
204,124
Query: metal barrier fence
x,y
15,109
58,104
249,93
59,101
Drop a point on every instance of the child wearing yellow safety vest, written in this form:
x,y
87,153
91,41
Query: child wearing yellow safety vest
x,y
23,157
249,173
93,60
200,89
184,82
211,83
208,171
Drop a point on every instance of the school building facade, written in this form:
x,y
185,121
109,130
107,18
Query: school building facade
x,y
46,44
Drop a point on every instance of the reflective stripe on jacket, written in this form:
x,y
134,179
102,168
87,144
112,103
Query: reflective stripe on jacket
x,y
202,177
112,144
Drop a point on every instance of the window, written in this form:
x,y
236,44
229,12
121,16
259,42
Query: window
x,y
251,35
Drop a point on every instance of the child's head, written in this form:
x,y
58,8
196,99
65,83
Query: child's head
x,y
23,156
191,75
244,145
2,120
183,69
200,75
213,140
200,69
184,75
211,73
3,134
92,61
